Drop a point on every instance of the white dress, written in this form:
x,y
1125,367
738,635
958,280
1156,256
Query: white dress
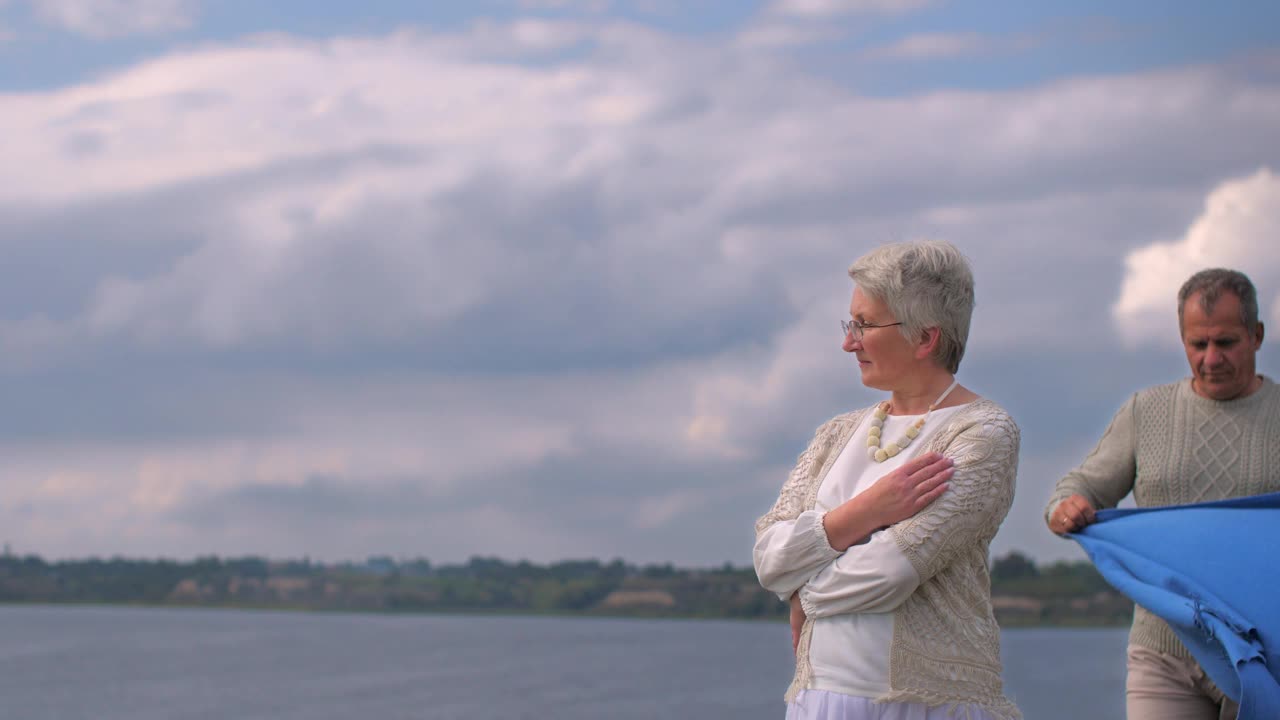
x,y
826,705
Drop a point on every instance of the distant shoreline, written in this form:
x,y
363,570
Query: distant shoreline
x,y
1023,595
1080,624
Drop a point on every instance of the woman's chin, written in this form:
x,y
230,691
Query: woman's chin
x,y
871,380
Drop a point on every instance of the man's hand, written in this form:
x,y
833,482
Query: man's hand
x,y
1072,514
797,621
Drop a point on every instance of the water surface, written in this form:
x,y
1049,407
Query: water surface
x,y
115,663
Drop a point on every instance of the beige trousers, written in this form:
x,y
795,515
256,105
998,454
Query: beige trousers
x,y
1164,687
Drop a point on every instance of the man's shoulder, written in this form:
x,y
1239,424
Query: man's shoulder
x,y
1155,401
1159,393
1169,392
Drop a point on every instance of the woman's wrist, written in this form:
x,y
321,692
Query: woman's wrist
x,y
831,527
848,523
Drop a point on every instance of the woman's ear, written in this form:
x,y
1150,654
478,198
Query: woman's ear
x,y
929,338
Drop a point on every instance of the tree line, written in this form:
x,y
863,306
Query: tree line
x,y
1023,593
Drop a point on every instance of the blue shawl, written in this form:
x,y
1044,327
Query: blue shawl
x,y
1212,571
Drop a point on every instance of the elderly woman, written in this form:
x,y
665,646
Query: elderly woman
x,y
878,539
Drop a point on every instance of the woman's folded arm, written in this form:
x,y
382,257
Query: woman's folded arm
x,y
789,552
873,577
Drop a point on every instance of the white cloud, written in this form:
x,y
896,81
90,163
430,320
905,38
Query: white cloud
x,y
327,189
781,35
402,459
592,6
827,8
934,46
606,282
929,46
1239,229
114,18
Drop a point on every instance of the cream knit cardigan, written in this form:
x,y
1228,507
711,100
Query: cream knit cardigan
x,y
946,644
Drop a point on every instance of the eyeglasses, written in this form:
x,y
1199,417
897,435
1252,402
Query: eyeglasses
x,y
856,328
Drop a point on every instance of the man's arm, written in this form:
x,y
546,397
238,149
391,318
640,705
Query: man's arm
x,y
1101,481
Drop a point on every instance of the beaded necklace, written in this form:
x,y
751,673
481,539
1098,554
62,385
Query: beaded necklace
x,y
880,454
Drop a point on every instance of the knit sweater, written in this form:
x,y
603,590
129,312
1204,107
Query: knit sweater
x,y
946,644
1169,446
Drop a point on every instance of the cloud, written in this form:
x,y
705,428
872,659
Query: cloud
x,y
278,211
590,6
541,467
785,24
1238,228
930,45
115,18
781,35
543,285
933,46
6,33
828,8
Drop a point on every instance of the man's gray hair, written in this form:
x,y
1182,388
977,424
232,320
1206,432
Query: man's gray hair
x,y
1210,284
925,284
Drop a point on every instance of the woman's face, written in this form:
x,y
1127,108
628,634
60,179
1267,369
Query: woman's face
x,y
884,356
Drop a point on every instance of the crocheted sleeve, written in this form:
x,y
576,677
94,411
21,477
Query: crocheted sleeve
x,y
794,494
791,543
978,495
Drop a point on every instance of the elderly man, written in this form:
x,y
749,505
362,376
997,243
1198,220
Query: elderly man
x,y
1214,436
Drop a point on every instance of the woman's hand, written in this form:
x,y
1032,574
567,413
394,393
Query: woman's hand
x,y
909,489
895,497
1072,514
797,621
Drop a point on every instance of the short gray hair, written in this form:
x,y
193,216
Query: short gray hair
x,y
1211,284
927,283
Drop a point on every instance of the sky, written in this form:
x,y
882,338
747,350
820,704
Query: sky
x,y
551,279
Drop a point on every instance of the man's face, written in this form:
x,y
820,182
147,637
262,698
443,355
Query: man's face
x,y
1221,352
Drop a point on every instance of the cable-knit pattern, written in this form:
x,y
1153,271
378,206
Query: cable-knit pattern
x,y
946,644
1169,446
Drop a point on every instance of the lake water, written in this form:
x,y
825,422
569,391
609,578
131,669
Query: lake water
x,y
109,663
